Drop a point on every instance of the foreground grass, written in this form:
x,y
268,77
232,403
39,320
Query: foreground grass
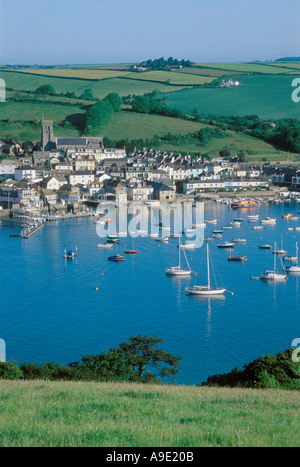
x,y
42,413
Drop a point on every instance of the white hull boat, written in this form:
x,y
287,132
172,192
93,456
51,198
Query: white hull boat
x,y
268,221
294,268
178,270
273,276
280,252
226,245
205,290
162,239
291,259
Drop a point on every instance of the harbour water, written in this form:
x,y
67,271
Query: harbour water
x,y
54,309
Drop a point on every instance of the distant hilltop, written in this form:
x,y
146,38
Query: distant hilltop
x,y
288,59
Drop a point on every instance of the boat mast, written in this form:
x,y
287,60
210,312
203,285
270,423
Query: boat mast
x,y
208,277
179,250
275,258
186,260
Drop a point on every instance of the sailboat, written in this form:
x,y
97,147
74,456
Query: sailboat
x,y
280,252
296,267
132,251
205,290
177,270
273,275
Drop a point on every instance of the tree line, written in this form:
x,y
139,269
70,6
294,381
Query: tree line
x,y
140,360
161,63
283,133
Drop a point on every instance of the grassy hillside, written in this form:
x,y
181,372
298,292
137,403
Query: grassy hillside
x,y
42,413
146,126
265,91
265,68
24,123
268,96
101,87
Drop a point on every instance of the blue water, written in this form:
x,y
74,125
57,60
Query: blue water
x,y
51,310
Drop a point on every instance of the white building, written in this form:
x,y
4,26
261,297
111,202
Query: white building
x,y
81,177
139,191
8,167
25,171
112,153
200,185
64,166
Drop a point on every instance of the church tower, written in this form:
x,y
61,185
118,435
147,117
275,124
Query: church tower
x,y
48,141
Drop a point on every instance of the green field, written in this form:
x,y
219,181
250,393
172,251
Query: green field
x,y
100,88
203,71
65,414
292,66
91,74
268,96
98,74
247,67
28,111
185,79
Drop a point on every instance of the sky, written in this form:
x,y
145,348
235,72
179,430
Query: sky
x,y
57,32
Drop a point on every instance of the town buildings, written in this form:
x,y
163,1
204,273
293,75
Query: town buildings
x,y
65,171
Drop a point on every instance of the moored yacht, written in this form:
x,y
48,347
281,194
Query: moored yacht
x,y
205,290
178,270
268,220
226,245
294,267
273,275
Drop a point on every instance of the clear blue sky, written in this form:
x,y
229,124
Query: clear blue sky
x,y
115,31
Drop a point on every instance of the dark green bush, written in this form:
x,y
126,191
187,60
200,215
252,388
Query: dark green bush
x,y
9,370
269,371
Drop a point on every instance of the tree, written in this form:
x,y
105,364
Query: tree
x,y
28,146
242,156
115,100
87,94
98,114
141,104
225,153
142,352
269,371
107,366
45,89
